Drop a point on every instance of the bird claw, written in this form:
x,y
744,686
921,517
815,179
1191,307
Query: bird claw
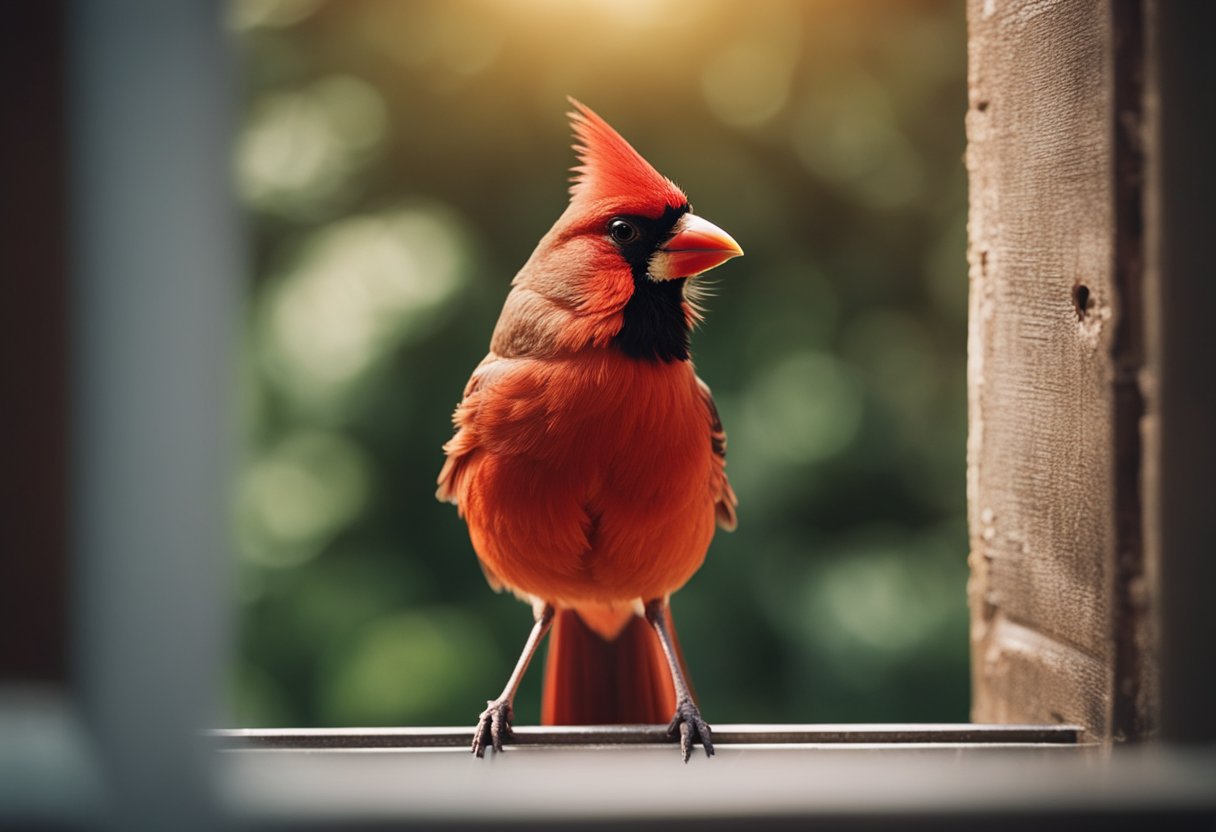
x,y
691,728
493,726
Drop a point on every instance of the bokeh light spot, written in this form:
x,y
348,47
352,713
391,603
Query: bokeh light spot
x,y
301,147
400,668
358,289
298,495
805,409
847,134
354,109
747,83
250,14
882,596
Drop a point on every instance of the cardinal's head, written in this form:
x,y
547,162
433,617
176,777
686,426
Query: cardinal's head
x,y
621,257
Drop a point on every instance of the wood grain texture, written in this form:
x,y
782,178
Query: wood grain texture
x,y
1051,471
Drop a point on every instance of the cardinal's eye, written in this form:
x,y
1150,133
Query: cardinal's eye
x,y
622,231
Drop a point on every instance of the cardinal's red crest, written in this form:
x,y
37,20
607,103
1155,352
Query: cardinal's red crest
x,y
610,167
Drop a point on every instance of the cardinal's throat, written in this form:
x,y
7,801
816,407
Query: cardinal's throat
x,y
655,324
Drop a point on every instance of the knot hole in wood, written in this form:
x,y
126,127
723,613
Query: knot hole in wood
x,y
1082,300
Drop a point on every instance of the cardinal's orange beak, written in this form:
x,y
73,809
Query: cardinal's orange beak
x,y
696,246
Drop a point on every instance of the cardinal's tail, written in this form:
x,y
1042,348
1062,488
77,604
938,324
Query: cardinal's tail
x,y
590,680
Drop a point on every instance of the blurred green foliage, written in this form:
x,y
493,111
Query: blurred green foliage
x,y
400,160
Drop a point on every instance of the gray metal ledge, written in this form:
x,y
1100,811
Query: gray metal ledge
x,y
953,735
763,777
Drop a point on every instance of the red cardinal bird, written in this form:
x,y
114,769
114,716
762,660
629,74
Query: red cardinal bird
x,y
588,459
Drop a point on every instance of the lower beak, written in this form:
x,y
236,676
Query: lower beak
x,y
696,246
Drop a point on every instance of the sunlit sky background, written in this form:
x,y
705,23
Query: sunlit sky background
x,y
399,161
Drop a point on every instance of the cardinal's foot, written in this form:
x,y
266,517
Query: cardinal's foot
x,y
493,726
691,728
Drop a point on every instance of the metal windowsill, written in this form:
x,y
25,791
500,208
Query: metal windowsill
x,y
406,739
939,777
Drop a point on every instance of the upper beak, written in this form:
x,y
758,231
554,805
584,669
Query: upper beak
x,y
696,246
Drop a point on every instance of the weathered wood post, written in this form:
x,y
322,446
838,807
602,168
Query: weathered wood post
x,y
1069,258
1054,348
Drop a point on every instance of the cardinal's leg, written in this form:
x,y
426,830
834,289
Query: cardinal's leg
x,y
687,719
494,724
